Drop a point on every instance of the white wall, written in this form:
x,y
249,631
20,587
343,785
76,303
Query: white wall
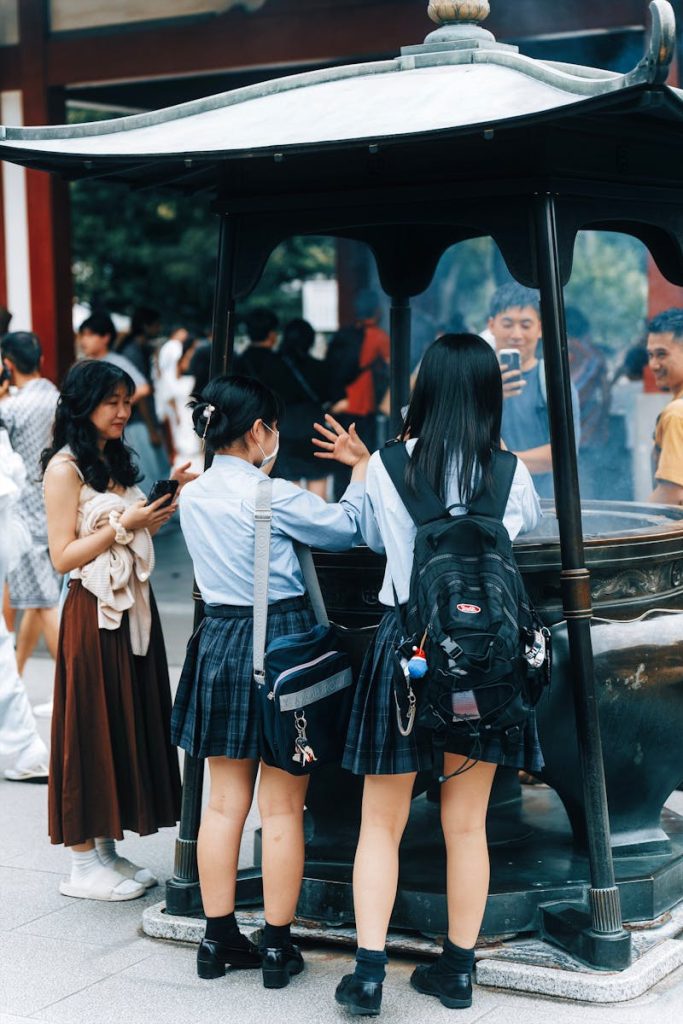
x,y
16,224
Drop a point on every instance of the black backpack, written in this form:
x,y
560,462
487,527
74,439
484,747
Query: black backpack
x,y
487,652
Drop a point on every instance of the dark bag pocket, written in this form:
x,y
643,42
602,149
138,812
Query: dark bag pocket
x,y
305,702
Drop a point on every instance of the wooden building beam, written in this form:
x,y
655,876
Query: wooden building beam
x,y
289,33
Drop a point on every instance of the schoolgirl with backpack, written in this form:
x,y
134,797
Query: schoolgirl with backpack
x,y
457,663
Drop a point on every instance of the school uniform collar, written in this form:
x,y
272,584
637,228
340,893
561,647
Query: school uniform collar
x,y
232,462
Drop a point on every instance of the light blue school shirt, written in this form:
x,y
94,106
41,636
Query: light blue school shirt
x,y
217,520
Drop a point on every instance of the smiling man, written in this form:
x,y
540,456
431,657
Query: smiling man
x,y
665,352
515,323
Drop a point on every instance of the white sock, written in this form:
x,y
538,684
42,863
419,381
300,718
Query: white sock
x,y
106,851
83,864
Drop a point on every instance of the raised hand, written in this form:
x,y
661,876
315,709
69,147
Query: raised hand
x,y
344,446
183,475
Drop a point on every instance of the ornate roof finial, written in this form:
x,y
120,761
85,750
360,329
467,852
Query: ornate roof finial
x,y
459,24
459,29
448,12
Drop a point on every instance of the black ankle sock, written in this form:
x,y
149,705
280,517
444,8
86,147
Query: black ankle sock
x,y
370,964
222,929
455,959
276,936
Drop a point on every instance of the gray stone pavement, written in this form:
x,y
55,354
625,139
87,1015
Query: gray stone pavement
x,y
72,961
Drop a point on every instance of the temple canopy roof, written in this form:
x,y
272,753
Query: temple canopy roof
x,y
413,154
458,83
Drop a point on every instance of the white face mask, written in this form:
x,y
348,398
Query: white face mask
x,y
267,459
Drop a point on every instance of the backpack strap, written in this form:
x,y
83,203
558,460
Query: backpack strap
x,y
424,507
493,504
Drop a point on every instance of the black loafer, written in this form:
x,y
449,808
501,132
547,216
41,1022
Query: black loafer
x,y
214,957
279,964
362,998
454,990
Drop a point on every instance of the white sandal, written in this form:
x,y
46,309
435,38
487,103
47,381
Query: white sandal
x,y
103,883
143,876
31,773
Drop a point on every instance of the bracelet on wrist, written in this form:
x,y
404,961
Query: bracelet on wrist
x,y
121,534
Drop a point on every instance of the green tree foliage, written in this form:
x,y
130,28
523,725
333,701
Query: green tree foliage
x,y
142,248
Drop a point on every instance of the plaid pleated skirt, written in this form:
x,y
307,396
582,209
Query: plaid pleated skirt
x,y
215,713
375,744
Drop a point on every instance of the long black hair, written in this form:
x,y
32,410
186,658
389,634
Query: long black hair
x,y
237,403
87,385
455,412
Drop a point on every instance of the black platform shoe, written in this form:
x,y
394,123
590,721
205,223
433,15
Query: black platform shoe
x,y
279,964
214,957
454,990
362,998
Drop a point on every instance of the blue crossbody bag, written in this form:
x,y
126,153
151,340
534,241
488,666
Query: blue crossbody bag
x,y
304,681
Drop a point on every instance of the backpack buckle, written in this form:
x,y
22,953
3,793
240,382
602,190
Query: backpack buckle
x,y
513,736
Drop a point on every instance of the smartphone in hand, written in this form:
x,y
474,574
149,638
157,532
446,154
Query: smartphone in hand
x,y
161,488
510,359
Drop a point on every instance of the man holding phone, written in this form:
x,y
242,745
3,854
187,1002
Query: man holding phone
x,y
515,323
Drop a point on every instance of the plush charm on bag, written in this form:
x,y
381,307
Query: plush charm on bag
x,y
417,666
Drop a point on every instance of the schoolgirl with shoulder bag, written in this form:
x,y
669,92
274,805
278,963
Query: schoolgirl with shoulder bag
x,y
304,681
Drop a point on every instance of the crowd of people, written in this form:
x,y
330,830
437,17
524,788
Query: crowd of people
x,y
76,466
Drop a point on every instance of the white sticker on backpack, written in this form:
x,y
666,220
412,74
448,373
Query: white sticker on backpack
x,y
469,609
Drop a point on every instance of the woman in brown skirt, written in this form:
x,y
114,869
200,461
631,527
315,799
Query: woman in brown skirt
x,y
112,766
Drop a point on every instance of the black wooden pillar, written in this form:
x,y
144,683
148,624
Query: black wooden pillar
x,y
400,358
182,891
594,934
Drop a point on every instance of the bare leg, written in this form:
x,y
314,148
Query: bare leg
x,y
8,612
218,846
281,804
318,487
464,802
386,806
49,624
85,847
28,636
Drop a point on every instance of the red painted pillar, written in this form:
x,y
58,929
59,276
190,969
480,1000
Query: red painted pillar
x,y
47,201
3,264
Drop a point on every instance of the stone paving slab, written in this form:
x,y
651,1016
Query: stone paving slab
x,y
38,972
164,988
97,967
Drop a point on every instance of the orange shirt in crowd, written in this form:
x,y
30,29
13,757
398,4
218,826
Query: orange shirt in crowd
x,y
668,452
361,392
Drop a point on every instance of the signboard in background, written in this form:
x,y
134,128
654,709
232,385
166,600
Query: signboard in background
x,y
320,304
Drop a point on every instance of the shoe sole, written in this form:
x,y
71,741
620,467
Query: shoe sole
x,y
450,1004
357,1011
209,972
280,978
35,780
66,889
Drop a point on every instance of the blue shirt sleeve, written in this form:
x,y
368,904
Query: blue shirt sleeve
x,y
305,517
368,524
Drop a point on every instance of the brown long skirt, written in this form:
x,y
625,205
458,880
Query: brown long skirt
x,y
112,766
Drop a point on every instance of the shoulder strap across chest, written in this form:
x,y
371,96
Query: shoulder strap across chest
x,y
426,506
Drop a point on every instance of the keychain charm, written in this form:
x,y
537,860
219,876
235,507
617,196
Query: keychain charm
x,y
303,752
